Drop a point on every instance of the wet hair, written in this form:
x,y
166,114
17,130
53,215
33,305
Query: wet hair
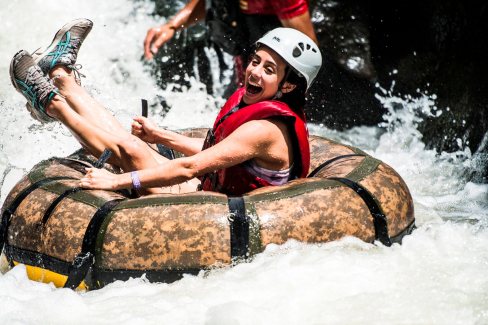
x,y
295,98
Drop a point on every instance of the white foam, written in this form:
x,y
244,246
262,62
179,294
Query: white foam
x,y
438,276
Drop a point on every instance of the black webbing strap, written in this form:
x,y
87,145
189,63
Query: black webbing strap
x,y
86,258
7,213
210,141
98,164
239,228
103,158
55,203
77,165
165,151
106,154
379,218
330,161
407,231
223,118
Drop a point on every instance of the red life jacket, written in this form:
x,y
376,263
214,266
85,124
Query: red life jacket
x,y
236,180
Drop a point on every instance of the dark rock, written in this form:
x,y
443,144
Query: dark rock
x,y
344,92
439,47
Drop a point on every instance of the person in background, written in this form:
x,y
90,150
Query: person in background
x,y
234,27
258,139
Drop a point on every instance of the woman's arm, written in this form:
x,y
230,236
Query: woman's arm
x,y
261,139
186,145
148,131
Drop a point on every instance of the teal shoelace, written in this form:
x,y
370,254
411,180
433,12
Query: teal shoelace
x,y
62,48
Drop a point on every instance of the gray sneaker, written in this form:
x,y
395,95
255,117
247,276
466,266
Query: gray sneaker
x,y
28,79
64,47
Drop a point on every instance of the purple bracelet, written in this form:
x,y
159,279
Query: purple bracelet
x,y
136,182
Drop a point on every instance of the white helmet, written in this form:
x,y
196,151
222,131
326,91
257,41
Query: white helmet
x,y
297,49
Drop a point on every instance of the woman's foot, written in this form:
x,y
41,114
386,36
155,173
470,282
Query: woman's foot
x,y
64,47
28,79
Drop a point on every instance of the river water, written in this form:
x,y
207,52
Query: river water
x,y
438,276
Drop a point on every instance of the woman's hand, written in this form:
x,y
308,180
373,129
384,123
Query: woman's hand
x,y
144,129
99,179
156,37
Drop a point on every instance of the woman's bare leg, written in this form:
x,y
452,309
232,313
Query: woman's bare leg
x,y
80,101
129,152
85,105
96,139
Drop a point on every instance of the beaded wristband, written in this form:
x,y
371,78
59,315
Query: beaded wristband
x,y
136,182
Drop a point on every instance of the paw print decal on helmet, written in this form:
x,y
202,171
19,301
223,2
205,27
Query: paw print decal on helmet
x,y
298,50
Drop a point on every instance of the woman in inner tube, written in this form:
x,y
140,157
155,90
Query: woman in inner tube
x,y
258,139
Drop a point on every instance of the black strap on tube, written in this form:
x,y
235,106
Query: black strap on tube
x,y
86,258
165,151
103,158
379,218
239,228
98,164
55,203
330,161
77,165
8,212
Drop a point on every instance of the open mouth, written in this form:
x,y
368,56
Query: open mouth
x,y
253,89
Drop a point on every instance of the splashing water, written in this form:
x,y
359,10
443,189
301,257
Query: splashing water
x,y
438,275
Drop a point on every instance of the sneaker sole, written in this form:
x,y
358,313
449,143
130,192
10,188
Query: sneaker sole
x,y
12,79
28,105
37,56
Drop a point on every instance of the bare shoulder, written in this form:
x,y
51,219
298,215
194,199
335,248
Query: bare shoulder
x,y
263,131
